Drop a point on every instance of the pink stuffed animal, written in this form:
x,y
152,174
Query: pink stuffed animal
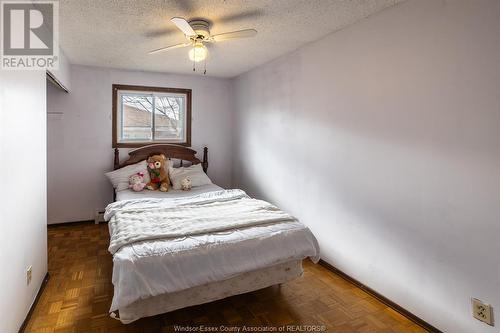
x,y
136,182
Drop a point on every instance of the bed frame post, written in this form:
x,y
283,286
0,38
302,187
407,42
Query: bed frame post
x,y
205,159
116,163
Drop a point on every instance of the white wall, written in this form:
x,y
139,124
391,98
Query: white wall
x,y
23,200
79,135
384,139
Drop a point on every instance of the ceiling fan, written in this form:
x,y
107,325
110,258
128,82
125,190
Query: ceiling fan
x,y
197,32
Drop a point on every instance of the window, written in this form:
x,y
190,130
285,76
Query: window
x,y
145,115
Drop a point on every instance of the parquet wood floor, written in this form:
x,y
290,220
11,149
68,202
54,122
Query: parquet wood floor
x,y
78,295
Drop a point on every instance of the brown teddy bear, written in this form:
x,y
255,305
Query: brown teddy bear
x,y
158,173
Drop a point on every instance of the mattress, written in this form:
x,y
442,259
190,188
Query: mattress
x,y
129,194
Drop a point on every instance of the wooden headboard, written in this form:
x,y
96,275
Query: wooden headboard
x,y
170,151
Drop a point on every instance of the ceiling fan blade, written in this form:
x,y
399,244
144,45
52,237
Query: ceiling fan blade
x,y
234,34
183,25
175,46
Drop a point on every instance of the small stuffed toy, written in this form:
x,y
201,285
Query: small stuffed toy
x,y
158,173
186,184
136,182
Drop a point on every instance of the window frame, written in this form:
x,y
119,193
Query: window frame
x,y
116,114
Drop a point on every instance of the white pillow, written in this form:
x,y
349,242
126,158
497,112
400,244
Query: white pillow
x,y
193,172
174,163
119,178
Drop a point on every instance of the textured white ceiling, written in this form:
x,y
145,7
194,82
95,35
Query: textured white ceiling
x,y
119,33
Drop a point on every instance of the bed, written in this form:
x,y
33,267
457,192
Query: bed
x,y
182,248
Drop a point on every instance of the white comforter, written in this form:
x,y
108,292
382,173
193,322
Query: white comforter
x,y
168,245
142,220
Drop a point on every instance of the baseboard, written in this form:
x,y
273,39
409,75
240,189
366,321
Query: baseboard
x,y
417,320
70,223
33,305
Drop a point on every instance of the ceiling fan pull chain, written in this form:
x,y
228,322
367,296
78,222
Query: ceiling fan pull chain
x,y
205,71
194,62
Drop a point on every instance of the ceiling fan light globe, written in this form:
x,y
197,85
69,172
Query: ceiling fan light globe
x,y
198,53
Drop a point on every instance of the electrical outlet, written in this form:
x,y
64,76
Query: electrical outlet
x,y
28,275
482,311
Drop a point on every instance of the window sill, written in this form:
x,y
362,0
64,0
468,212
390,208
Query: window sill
x,y
147,143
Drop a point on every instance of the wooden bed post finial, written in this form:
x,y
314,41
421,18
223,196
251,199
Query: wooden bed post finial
x,y
116,163
205,159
